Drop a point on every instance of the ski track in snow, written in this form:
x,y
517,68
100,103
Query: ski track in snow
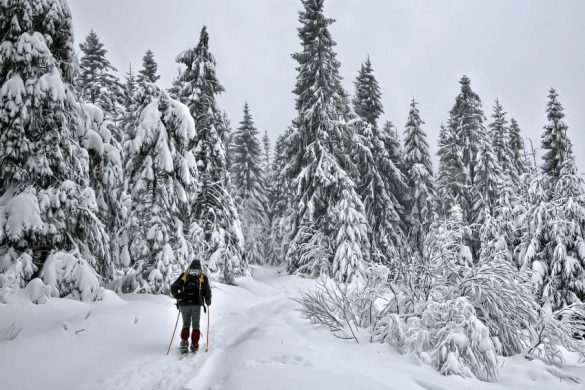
x,y
231,334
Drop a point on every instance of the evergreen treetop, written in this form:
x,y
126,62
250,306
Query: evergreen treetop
x,y
96,81
366,103
149,68
555,143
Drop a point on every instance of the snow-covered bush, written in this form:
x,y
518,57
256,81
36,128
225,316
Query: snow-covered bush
x,y
346,308
460,343
37,291
446,335
557,332
332,305
69,275
503,302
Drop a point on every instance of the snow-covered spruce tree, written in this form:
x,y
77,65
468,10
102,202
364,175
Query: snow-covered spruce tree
x,y
129,87
516,146
249,188
325,203
450,175
48,221
279,195
419,171
214,208
96,82
556,145
501,143
487,183
106,176
266,153
554,243
465,131
393,145
389,134
367,100
507,183
269,175
380,181
161,177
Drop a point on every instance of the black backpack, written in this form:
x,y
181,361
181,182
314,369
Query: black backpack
x,y
193,287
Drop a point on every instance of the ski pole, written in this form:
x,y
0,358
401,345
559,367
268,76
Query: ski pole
x,y
174,330
207,342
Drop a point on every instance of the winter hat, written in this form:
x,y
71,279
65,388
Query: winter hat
x,y
195,264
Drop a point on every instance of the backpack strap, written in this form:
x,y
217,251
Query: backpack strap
x,y
201,281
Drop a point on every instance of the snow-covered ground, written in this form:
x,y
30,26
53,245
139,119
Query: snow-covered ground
x,y
257,341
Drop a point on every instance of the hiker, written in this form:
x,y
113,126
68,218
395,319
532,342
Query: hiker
x,y
192,291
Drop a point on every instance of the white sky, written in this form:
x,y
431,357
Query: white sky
x,y
513,50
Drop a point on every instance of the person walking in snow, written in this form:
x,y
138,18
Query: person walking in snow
x,y
192,290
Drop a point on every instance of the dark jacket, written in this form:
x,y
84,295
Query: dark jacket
x,y
191,289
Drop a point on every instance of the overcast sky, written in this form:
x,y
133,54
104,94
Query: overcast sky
x,y
511,50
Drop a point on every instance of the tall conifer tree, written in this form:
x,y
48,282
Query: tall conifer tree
x,y
419,171
161,177
214,208
555,241
381,183
266,152
249,188
329,227
501,145
518,158
555,143
450,175
462,138
48,220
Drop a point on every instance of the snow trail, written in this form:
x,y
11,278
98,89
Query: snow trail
x,y
258,341
237,325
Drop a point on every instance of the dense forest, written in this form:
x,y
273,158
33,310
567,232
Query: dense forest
x,y
109,183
